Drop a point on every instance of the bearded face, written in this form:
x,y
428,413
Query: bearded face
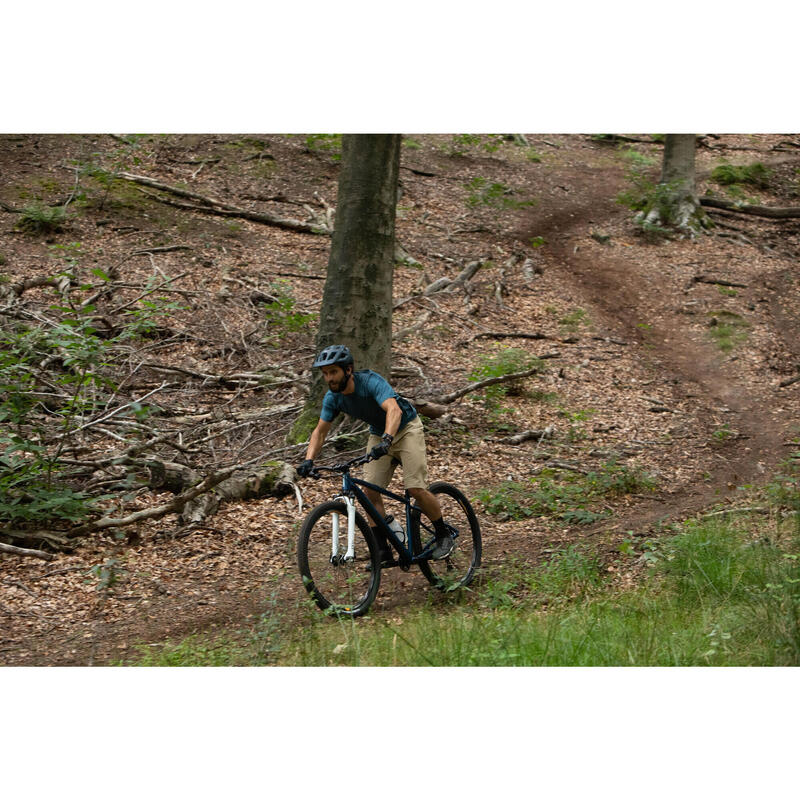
x,y
336,378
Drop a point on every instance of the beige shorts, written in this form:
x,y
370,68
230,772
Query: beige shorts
x,y
408,448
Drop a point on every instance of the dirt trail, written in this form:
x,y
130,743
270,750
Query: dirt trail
x,y
625,292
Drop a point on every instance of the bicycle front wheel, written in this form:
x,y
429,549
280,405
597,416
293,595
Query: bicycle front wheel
x,y
458,569
338,583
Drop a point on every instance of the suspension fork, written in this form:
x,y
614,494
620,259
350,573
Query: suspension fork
x,y
351,531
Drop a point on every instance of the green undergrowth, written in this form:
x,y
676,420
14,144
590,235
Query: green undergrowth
x,y
755,175
570,497
721,590
727,329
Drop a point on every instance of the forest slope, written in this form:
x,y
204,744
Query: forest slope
x,y
669,364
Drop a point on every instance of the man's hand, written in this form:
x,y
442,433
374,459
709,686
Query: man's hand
x,y
380,450
304,470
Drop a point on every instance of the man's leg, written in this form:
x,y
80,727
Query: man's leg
x,y
380,473
415,474
428,503
377,500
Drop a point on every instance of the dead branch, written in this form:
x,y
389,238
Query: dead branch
x,y
242,485
303,277
113,413
245,380
474,387
738,510
556,464
16,289
786,212
450,284
176,505
170,248
789,381
211,205
51,537
502,335
25,551
525,436
403,333
615,138
715,281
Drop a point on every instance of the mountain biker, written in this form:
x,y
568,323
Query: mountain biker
x,y
396,435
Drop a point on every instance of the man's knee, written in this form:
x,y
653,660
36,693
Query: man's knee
x,y
371,494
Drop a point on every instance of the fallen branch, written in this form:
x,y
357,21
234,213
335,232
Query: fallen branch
x,y
716,281
407,331
16,289
474,387
727,511
786,212
555,464
500,335
451,284
243,484
789,381
25,551
176,505
52,538
525,436
614,138
211,205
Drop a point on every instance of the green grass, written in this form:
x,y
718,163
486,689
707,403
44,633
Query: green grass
x,y
727,329
573,321
569,497
716,591
485,193
714,596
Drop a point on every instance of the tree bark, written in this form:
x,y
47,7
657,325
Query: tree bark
x,y
675,204
357,299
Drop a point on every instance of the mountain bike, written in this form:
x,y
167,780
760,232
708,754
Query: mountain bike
x,y
339,557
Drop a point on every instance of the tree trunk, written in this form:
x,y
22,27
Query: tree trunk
x,y
675,204
357,300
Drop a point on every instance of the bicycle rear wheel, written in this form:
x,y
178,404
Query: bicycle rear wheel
x,y
458,569
342,586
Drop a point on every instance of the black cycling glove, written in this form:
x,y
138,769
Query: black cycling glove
x,y
382,449
304,470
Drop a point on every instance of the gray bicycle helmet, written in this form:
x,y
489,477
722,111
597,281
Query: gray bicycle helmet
x,y
336,354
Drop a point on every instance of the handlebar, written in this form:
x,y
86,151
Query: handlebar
x,y
345,466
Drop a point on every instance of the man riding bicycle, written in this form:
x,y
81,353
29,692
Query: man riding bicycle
x,y
396,436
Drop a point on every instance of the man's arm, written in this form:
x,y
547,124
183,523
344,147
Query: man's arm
x,y
317,439
394,414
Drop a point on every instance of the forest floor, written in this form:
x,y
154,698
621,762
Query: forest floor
x,y
635,376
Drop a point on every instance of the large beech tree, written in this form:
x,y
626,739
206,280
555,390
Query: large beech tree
x,y
357,300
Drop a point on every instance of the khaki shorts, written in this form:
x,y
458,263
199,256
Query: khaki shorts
x,y
408,448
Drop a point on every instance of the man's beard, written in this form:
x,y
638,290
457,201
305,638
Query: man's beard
x,y
340,386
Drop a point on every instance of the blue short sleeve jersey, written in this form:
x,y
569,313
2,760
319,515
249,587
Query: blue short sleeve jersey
x,y
364,403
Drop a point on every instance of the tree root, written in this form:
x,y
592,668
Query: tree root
x,y
786,212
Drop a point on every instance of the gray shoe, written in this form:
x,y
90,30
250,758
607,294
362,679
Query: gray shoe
x,y
444,547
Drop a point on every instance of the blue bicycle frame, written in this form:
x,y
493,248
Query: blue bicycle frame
x,y
350,488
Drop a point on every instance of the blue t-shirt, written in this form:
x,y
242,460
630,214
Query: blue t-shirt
x,y
365,402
